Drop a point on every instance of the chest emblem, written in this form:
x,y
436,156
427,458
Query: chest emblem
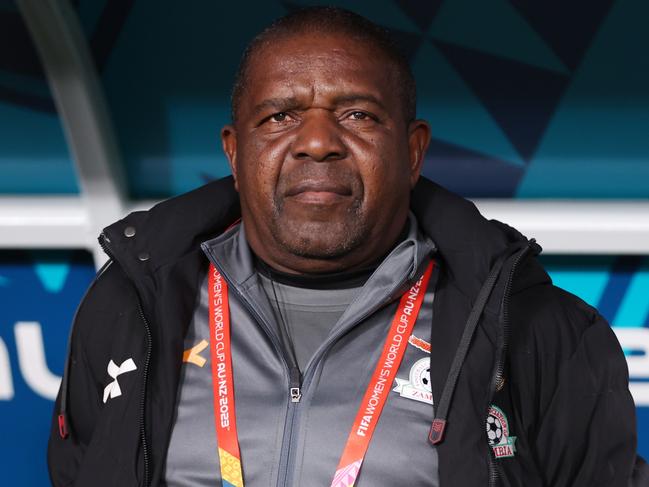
x,y
193,355
417,386
498,433
113,390
416,342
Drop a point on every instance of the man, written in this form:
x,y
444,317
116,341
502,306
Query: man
x,y
371,328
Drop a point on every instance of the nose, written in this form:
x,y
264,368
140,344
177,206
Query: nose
x,y
319,138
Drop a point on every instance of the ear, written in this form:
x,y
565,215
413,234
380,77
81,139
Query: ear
x,y
229,143
418,140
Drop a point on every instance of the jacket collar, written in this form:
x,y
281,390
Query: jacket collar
x,y
467,243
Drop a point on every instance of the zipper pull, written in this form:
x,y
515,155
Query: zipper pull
x,y
296,395
295,379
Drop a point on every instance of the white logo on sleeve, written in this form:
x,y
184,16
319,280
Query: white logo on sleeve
x,y
113,390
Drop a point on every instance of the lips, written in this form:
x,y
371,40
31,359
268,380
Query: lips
x,y
318,192
319,187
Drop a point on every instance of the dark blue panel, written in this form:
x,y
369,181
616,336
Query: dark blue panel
x,y
463,170
40,287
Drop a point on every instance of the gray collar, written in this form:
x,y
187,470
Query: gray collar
x,y
231,254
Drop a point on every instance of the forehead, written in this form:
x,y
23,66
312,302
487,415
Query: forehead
x,y
319,65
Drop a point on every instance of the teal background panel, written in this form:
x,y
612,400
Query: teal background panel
x,y
525,99
34,156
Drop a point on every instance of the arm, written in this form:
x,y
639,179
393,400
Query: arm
x,y
572,391
587,432
96,316
64,455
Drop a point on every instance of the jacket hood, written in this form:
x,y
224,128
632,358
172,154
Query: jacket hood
x,y
467,243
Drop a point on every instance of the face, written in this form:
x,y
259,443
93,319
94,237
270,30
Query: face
x,y
322,156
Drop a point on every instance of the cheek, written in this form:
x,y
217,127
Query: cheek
x,y
260,163
383,166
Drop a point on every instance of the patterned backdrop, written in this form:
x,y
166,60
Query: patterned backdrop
x,y
526,99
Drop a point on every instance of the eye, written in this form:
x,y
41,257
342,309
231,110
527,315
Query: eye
x,y
279,117
278,120
358,115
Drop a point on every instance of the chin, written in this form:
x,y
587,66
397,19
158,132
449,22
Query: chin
x,y
320,239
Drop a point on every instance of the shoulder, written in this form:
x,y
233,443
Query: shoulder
x,y
550,314
553,331
107,313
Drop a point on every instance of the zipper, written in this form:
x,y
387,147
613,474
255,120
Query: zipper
x,y
331,341
295,390
294,384
145,373
293,373
500,365
297,386
261,320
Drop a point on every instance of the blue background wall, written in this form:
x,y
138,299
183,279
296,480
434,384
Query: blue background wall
x,y
526,99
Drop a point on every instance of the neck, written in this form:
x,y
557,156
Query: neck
x,y
337,278
332,280
381,238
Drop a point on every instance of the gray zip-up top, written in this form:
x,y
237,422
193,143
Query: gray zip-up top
x,y
300,443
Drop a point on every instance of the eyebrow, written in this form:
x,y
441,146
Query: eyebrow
x,y
276,104
283,104
356,97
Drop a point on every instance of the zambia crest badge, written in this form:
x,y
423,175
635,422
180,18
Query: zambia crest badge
x,y
418,386
500,441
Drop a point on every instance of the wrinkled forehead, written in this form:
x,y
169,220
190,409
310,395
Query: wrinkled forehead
x,y
318,64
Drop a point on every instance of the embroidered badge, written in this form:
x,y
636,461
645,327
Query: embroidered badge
x,y
498,432
113,390
418,386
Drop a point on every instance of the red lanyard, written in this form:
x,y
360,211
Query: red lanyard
x,y
368,412
222,381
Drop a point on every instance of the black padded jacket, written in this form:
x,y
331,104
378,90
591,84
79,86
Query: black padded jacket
x,y
503,335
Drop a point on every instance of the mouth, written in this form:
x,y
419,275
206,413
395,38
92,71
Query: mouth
x,y
318,192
